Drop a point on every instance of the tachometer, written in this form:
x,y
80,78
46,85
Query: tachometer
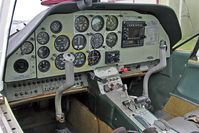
x,y
44,66
97,40
111,23
111,39
79,42
80,59
97,23
56,26
62,43
81,23
59,62
43,38
43,52
26,48
93,57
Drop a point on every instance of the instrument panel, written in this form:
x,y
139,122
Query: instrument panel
x,y
96,39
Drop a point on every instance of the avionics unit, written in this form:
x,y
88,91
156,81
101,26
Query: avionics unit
x,y
133,33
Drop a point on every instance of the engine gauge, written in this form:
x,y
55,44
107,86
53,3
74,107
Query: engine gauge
x,y
97,40
56,26
81,23
44,66
80,59
62,43
79,42
43,52
43,38
111,23
26,48
93,57
21,66
111,39
97,23
59,62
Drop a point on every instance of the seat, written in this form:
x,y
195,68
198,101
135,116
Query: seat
x,y
183,125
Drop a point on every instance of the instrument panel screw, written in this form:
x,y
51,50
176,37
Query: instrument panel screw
x,y
32,39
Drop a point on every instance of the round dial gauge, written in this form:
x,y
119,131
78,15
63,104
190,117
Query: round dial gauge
x,y
81,23
79,42
56,26
97,40
97,23
21,66
111,23
43,52
44,66
111,39
26,48
93,57
43,38
62,43
59,62
80,59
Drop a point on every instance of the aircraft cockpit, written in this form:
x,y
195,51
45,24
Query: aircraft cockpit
x,y
100,69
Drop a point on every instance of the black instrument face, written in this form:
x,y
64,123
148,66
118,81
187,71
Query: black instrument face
x,y
93,57
97,23
111,39
80,59
79,42
56,26
111,23
59,62
26,48
62,43
21,66
97,40
44,66
112,57
43,38
81,23
43,52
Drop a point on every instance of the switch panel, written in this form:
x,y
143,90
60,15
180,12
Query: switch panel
x,y
31,88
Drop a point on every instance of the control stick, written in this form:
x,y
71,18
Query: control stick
x,y
162,64
69,82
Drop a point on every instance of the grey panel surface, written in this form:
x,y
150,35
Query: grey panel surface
x,y
157,10
11,74
154,32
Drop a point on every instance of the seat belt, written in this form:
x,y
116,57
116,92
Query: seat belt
x,y
193,118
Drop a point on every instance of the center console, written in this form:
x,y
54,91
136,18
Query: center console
x,y
135,110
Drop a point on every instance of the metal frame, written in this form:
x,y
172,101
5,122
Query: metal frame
x,y
6,14
8,123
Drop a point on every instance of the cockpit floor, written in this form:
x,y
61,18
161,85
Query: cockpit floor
x,y
39,119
